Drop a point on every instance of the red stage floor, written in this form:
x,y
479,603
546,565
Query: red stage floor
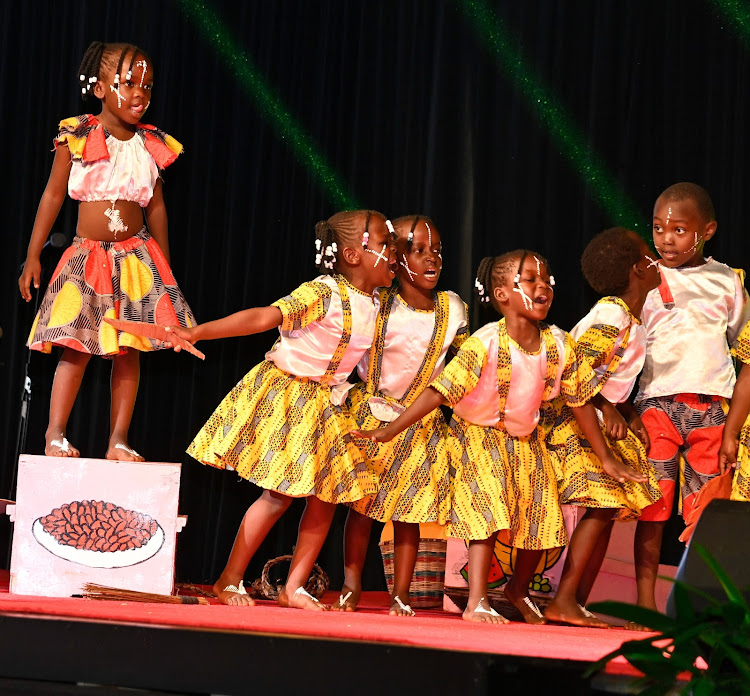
x,y
431,628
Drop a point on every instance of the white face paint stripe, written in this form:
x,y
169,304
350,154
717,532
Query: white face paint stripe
x,y
405,265
116,90
527,301
429,235
144,65
651,261
538,270
379,254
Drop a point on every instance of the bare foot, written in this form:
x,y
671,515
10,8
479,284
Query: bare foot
x,y
57,445
633,626
348,600
300,599
401,607
232,594
621,472
121,452
483,613
573,614
529,610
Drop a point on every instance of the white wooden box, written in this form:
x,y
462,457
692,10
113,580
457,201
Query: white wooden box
x,y
82,520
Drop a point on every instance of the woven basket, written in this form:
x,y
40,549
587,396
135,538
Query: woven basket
x,y
426,589
269,587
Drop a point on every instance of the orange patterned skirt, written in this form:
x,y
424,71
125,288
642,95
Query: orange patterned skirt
x,y
123,280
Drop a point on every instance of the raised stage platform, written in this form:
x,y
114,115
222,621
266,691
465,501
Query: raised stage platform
x,y
51,645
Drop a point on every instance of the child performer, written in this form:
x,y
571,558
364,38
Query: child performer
x,y
611,339
691,319
416,328
285,426
504,477
735,444
116,267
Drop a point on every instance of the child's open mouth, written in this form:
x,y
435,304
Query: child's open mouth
x,y
541,299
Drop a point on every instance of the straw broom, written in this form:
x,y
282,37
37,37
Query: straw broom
x,y
93,591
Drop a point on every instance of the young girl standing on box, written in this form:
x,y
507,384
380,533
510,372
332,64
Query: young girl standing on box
x,y
285,426
504,478
416,328
117,266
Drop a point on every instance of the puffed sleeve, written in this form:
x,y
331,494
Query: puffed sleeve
x,y
304,306
741,347
739,309
462,374
84,137
462,333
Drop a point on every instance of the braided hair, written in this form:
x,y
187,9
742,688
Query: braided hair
x,y
493,271
340,230
105,55
404,220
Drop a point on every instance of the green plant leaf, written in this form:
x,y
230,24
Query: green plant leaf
x,y
732,592
682,604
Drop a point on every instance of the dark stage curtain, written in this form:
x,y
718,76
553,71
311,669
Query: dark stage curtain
x,y
412,110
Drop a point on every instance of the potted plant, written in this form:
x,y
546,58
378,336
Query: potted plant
x,y
709,647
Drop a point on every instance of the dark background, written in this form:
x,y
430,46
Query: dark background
x,y
414,110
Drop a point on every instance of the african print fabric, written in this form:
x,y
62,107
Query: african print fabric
x,y
498,480
686,432
582,478
413,467
284,432
128,280
741,482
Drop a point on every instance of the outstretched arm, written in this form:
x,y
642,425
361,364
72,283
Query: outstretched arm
x,y
738,411
243,323
425,403
589,424
46,214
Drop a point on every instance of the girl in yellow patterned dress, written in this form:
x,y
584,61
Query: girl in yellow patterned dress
x,y
117,266
611,339
502,476
735,444
416,328
285,426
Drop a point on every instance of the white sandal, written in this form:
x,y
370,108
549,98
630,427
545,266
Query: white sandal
x,y
302,591
404,607
531,605
63,444
125,448
343,598
481,610
235,589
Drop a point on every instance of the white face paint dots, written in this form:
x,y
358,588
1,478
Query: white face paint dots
x,y
651,262
143,65
528,303
405,264
380,254
116,89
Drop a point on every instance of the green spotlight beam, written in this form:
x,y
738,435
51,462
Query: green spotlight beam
x,y
737,13
215,32
572,142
